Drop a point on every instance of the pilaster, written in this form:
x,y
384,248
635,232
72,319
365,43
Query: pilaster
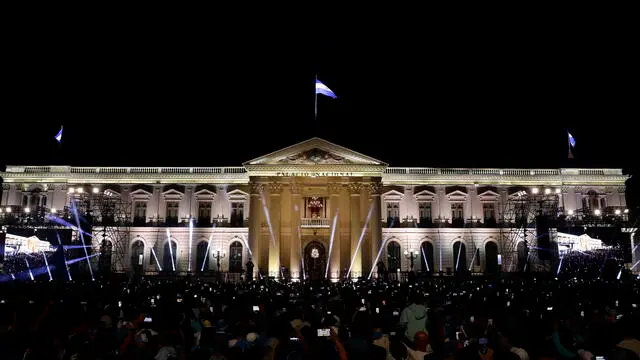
x,y
275,193
375,189
260,254
334,257
296,243
355,264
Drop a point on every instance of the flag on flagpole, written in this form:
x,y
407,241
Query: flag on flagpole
x,y
59,135
572,144
572,141
324,90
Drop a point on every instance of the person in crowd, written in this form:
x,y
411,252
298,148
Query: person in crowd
x,y
422,347
567,341
504,345
487,318
414,316
629,347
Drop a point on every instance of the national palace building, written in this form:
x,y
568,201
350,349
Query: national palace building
x,y
315,206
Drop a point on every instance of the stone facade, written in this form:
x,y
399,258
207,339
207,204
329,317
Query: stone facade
x,y
318,205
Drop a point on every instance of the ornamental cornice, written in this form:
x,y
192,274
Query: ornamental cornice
x,y
256,188
322,169
375,188
5,186
275,188
334,188
126,178
353,188
550,180
296,189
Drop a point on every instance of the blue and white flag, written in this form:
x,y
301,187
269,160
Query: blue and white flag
x,y
324,90
59,135
572,141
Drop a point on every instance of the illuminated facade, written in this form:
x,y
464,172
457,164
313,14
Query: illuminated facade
x,y
281,209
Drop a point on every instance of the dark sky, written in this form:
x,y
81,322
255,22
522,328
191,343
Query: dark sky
x,y
465,95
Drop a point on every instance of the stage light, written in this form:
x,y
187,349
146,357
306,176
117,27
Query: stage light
x,y
535,190
626,211
547,191
558,191
570,212
53,210
79,190
618,211
597,212
27,210
96,190
71,190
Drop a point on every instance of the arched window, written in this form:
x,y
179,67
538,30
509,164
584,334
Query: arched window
x,y
235,257
202,258
106,251
393,256
137,255
170,256
426,252
491,257
459,256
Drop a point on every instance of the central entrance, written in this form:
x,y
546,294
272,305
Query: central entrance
x,y
315,260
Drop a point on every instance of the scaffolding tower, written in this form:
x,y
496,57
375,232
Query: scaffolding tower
x,y
519,218
111,218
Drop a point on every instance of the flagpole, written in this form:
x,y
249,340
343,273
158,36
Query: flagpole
x,y
315,101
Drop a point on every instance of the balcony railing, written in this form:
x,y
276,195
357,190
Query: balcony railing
x,y
314,223
126,170
500,172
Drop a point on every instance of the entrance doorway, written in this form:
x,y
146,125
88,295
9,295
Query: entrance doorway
x,y
315,260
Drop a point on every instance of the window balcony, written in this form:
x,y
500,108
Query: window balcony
x,y
314,223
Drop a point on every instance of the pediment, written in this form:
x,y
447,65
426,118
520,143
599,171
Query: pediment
x,y
315,151
392,195
141,194
205,194
425,196
172,194
457,196
237,195
489,196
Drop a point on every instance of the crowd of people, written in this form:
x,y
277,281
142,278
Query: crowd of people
x,y
577,314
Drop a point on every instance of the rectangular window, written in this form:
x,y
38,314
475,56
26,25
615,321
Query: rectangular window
x,y
393,210
172,212
237,214
457,212
489,211
204,210
140,210
424,210
204,213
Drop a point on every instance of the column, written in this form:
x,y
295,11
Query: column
x,y
334,257
296,242
255,220
275,192
355,222
375,188
4,200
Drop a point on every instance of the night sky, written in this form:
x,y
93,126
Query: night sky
x,y
468,97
